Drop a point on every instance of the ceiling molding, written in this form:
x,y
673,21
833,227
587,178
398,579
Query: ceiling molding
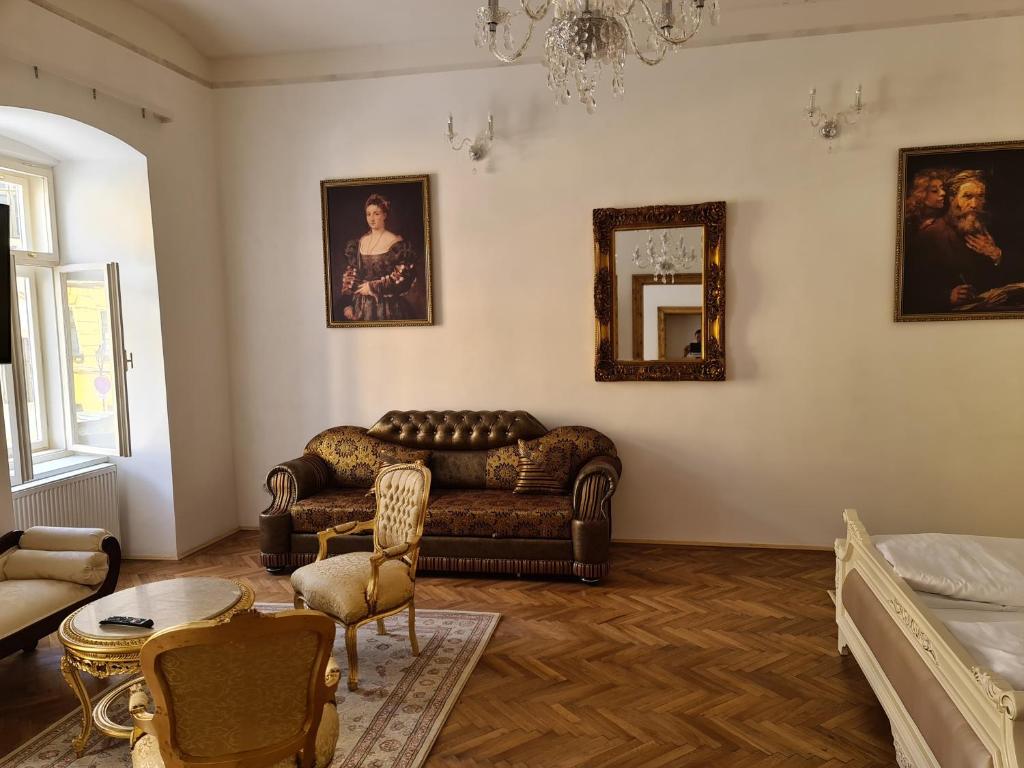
x,y
87,25
436,55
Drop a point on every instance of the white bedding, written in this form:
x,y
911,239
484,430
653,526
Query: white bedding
x,y
979,568
995,639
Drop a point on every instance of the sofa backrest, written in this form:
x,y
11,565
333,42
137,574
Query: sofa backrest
x,y
456,430
354,455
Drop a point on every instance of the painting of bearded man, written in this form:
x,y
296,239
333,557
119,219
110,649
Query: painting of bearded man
x,y
960,251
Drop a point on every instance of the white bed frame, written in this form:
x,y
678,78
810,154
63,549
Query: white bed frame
x,y
989,704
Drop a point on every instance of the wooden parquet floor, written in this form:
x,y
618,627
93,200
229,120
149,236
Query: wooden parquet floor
x,y
682,657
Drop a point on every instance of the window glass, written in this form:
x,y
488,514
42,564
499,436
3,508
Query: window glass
x,y
5,374
94,418
13,194
35,395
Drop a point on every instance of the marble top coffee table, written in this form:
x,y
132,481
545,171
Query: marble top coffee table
x,y
108,650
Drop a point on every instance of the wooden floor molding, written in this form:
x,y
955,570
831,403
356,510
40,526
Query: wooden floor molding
x,y
682,657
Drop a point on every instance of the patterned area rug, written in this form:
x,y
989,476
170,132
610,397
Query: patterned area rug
x,y
391,721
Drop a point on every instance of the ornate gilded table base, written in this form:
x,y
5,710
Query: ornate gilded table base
x,y
103,657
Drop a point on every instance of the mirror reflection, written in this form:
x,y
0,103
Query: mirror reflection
x,y
659,293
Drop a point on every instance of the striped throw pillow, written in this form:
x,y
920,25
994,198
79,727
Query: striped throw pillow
x,y
540,470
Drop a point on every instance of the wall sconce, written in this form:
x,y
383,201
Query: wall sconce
x,y
478,147
830,126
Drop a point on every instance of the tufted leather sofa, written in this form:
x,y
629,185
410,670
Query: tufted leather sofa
x,y
475,522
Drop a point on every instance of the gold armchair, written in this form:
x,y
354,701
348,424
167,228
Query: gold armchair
x,y
359,587
255,691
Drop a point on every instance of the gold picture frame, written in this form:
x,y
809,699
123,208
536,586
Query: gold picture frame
x,y
711,219
955,267
377,251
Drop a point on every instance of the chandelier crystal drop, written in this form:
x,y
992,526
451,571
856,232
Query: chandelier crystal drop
x,y
586,37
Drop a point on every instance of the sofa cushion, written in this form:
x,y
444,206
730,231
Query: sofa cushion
x,y
544,467
498,514
86,568
502,468
26,601
338,585
355,458
332,507
57,539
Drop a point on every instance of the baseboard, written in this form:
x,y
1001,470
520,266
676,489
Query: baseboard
x,y
727,544
248,527
210,543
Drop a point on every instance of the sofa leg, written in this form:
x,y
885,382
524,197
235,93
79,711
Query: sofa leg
x,y
590,581
30,647
276,570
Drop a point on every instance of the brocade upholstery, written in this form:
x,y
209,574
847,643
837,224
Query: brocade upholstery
x,y
332,507
498,514
456,430
337,585
146,752
214,688
355,458
502,469
543,468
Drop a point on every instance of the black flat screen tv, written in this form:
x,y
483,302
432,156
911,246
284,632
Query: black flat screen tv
x,y
5,283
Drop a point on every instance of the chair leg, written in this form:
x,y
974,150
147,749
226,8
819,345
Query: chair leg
x,y
298,602
381,629
412,630
353,657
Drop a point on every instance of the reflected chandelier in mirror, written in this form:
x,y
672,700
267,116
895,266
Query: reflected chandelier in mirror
x,y
660,311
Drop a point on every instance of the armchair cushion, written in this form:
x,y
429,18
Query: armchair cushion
x,y
86,568
332,507
24,601
57,539
337,585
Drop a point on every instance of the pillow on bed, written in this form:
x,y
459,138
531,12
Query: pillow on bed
x,y
982,568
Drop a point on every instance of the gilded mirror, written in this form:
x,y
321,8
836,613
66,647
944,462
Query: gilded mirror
x,y
659,293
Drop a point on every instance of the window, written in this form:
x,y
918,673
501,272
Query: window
x,y
65,392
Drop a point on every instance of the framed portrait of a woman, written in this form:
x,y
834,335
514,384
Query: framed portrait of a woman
x,y
377,251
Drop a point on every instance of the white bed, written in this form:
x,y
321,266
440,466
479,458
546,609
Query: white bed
x,y
946,707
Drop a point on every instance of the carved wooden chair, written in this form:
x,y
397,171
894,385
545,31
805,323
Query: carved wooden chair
x,y
359,587
255,691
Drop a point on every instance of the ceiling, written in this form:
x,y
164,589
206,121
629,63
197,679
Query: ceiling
x,y
223,29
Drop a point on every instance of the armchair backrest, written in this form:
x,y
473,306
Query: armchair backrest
x,y
246,692
402,492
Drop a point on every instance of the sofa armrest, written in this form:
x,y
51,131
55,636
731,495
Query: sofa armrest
x,y
594,486
591,511
293,480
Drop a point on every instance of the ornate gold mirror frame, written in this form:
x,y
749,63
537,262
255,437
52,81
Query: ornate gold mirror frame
x,y
711,366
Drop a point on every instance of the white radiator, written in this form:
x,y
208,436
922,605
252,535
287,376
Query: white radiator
x,y
86,498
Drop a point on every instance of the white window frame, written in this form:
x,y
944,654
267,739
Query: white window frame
x,y
40,216
120,356
47,314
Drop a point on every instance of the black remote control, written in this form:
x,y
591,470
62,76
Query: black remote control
x,y
128,621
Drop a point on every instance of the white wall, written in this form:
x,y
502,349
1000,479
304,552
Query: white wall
x,y
186,234
829,403
105,216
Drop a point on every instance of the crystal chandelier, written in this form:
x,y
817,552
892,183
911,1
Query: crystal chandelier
x,y
665,260
589,36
